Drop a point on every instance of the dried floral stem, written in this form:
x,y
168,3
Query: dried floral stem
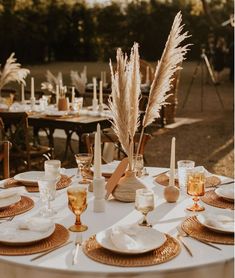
x,y
172,56
124,105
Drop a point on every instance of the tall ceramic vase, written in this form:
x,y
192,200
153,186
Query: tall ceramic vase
x,y
127,186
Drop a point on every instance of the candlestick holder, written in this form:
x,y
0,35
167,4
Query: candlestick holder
x,y
99,194
94,104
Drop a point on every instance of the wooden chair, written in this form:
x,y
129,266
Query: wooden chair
x,y
111,138
143,70
14,127
172,100
4,158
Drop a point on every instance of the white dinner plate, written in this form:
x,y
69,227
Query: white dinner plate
x,y
30,178
226,191
212,224
10,234
56,113
6,202
148,237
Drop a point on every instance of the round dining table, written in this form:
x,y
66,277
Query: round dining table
x,y
205,262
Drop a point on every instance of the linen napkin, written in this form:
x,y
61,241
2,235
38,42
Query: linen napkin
x,y
126,237
219,221
36,224
7,193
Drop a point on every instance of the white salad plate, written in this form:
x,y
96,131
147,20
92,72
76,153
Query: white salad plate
x,y
226,191
223,223
8,201
11,234
30,178
147,238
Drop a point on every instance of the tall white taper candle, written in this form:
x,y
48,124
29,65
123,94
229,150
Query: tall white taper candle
x,y
94,88
73,95
172,165
32,88
101,93
22,93
97,154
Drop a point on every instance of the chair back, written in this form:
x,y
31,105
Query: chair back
x,y
4,158
111,139
15,130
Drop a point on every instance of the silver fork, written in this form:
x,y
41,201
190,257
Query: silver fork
x,y
78,243
184,234
179,237
7,219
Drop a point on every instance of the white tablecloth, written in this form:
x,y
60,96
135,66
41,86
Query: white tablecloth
x,y
206,262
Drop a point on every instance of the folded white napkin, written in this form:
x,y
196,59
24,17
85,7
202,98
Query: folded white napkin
x,y
126,237
7,193
36,224
219,221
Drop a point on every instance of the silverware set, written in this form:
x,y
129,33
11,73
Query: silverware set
x,y
49,251
182,233
78,243
7,219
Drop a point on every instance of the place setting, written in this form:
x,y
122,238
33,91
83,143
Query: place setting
x,y
31,236
30,179
133,245
13,201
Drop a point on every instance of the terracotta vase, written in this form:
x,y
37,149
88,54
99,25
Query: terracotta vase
x,y
63,104
127,186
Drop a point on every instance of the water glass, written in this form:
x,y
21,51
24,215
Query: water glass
x,y
183,166
52,171
77,104
47,188
144,202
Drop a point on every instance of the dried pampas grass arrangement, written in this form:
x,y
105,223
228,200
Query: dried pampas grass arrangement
x,y
52,81
124,105
171,58
12,71
79,81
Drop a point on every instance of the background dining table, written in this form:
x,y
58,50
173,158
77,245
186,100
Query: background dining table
x,y
206,261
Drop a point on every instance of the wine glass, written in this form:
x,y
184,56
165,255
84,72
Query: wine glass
x,y
196,187
77,202
144,202
84,162
47,187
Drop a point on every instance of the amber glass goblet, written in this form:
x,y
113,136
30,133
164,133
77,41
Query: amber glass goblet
x,y
77,202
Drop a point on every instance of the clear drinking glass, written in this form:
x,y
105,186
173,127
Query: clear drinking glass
x,y
144,202
138,164
52,171
47,189
183,167
84,163
77,104
196,187
77,197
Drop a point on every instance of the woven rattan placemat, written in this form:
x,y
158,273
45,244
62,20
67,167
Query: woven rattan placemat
x,y
212,199
193,228
22,206
59,237
166,252
64,182
163,179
